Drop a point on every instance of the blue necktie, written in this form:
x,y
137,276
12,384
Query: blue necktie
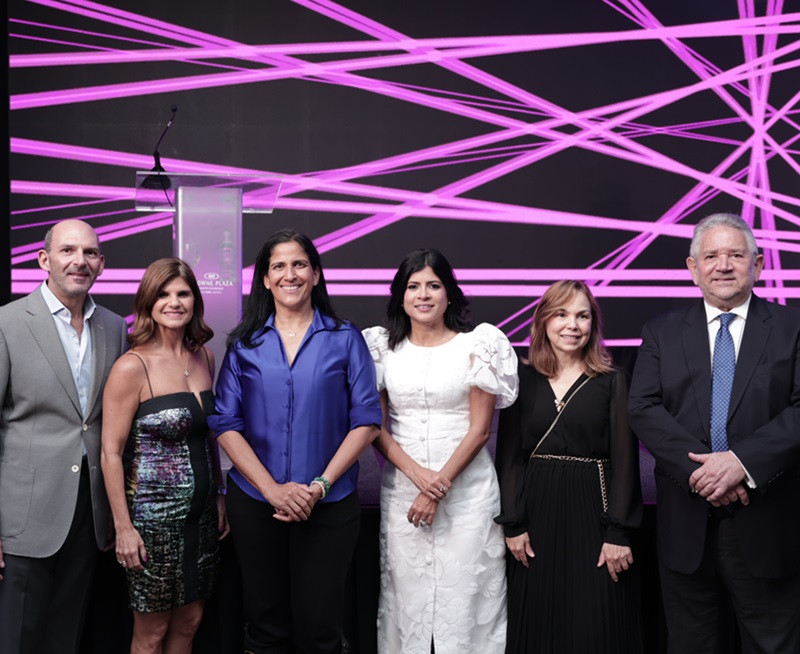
x,y
723,367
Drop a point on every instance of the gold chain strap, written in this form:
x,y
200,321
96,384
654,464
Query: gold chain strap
x,y
584,459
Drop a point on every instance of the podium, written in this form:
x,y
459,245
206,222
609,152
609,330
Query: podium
x,y
207,233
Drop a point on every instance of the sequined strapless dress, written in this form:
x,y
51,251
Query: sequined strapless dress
x,y
172,501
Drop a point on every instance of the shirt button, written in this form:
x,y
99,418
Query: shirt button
x,y
424,420
85,427
75,468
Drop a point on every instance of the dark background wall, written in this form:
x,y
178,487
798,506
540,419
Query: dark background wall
x,y
485,154
528,140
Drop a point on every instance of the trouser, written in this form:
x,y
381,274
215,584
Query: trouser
x,y
43,600
697,605
293,574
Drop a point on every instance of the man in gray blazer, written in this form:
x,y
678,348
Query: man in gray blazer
x,y
56,350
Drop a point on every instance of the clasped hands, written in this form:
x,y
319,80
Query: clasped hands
x,y
293,502
433,487
719,478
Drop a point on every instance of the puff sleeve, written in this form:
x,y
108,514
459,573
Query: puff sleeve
x,y
377,339
493,365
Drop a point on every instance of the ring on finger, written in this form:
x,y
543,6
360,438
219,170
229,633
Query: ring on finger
x,y
442,488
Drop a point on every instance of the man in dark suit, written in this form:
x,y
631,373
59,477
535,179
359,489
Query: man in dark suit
x,y
715,397
56,350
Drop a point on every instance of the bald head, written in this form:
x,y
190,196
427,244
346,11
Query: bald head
x,y
72,259
66,224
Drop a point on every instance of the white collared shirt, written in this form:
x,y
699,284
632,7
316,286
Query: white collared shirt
x,y
77,349
736,326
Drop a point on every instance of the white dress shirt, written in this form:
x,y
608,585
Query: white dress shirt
x,y
77,348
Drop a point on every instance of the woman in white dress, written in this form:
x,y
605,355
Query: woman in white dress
x,y
443,586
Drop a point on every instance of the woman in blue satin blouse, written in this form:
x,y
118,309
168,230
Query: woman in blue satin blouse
x,y
296,404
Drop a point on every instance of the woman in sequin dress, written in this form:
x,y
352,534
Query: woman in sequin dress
x,y
161,469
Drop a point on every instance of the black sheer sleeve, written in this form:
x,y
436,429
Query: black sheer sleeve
x,y
510,461
624,487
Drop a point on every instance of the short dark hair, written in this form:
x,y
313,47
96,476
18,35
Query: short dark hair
x,y
261,304
455,316
158,274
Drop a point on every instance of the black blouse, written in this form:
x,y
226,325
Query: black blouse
x,y
594,425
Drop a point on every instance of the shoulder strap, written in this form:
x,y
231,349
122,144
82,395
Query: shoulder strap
x,y
558,415
146,374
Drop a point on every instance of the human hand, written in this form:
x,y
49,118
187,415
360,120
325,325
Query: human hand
x,y
736,494
292,501
719,472
130,549
520,548
223,528
616,558
422,511
431,483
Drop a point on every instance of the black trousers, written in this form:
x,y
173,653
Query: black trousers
x,y
698,606
43,601
293,575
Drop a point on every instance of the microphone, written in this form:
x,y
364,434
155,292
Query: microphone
x,y
158,179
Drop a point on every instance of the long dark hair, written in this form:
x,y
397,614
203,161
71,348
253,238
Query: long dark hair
x,y
455,317
540,354
261,304
158,274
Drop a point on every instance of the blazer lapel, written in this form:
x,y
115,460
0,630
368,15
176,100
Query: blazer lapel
x,y
698,359
757,329
44,331
99,343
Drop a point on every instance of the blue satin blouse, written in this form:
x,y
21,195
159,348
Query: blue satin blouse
x,y
296,417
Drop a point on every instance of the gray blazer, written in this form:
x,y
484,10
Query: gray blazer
x,y
42,431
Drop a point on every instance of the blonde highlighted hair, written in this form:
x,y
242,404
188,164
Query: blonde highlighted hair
x,y
541,356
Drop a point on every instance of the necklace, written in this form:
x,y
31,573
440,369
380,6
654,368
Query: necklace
x,y
188,357
297,330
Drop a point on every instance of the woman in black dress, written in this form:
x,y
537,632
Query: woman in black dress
x,y
570,491
160,467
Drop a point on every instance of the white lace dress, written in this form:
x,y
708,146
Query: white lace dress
x,y
447,581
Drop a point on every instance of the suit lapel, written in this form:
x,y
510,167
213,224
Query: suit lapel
x,y
698,359
757,329
44,331
99,343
